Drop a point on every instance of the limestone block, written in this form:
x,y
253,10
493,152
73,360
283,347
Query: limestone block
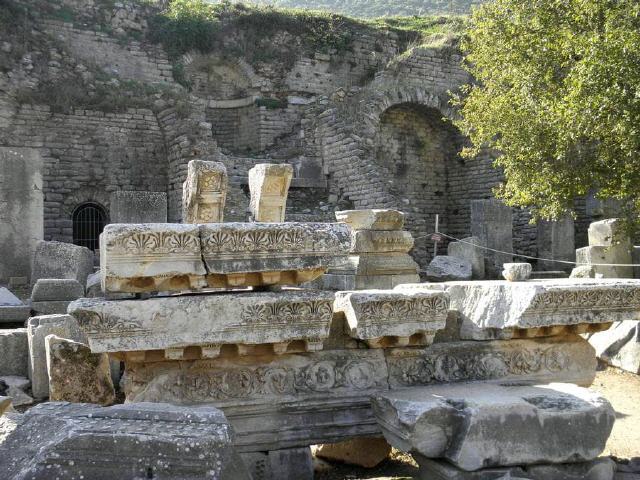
x,y
21,215
138,207
253,254
50,307
492,225
151,257
517,272
12,310
372,219
378,264
365,452
608,233
556,241
374,314
503,308
619,346
478,425
38,328
207,320
5,404
599,469
62,260
444,269
269,186
52,289
465,250
14,352
204,192
76,375
16,387
604,260
131,441
372,241
347,281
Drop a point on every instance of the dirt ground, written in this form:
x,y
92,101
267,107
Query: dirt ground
x,y
622,389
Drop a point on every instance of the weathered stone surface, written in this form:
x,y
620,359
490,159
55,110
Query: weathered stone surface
x,y
38,328
377,264
280,464
52,289
466,250
76,375
379,241
205,320
599,469
583,271
62,260
492,225
374,314
5,404
365,452
556,241
204,192
619,345
131,441
478,425
21,215
50,307
498,309
608,233
610,262
14,352
517,272
16,387
269,186
138,207
151,257
346,281
12,310
372,219
444,269
239,254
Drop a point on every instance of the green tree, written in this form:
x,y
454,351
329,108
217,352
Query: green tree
x,y
558,95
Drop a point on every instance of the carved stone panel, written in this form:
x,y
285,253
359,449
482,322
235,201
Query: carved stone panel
x,y
269,186
204,192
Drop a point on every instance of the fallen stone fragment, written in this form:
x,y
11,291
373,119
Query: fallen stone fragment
x,y
131,441
204,192
366,452
478,425
517,272
76,375
372,219
269,186
62,260
445,269
619,345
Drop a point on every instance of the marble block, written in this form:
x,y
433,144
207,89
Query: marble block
x,y
269,186
210,321
204,192
608,233
54,289
372,219
373,241
609,262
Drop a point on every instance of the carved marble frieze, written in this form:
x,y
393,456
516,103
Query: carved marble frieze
x,y
173,323
204,192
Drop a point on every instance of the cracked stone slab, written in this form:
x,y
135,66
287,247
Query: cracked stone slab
x,y
374,314
478,425
131,441
500,309
212,320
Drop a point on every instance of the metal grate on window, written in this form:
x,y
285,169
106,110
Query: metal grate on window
x,y
89,220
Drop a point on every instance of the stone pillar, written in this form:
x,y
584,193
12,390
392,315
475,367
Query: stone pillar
x,y
269,185
556,240
138,207
204,192
21,210
492,224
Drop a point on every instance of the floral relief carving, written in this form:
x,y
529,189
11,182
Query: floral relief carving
x,y
587,299
401,310
139,243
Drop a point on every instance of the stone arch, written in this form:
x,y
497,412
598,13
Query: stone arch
x,y
86,195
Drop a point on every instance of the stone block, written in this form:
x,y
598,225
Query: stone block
x,y
52,289
374,314
599,469
373,241
492,225
131,441
209,321
365,452
21,215
444,269
14,352
477,425
12,310
556,241
517,272
610,262
204,192
608,233
619,345
465,250
372,264
372,219
76,375
346,281
50,307
16,387
269,186
38,329
583,271
138,207
62,260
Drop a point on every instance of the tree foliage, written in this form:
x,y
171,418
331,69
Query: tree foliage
x,y
558,95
